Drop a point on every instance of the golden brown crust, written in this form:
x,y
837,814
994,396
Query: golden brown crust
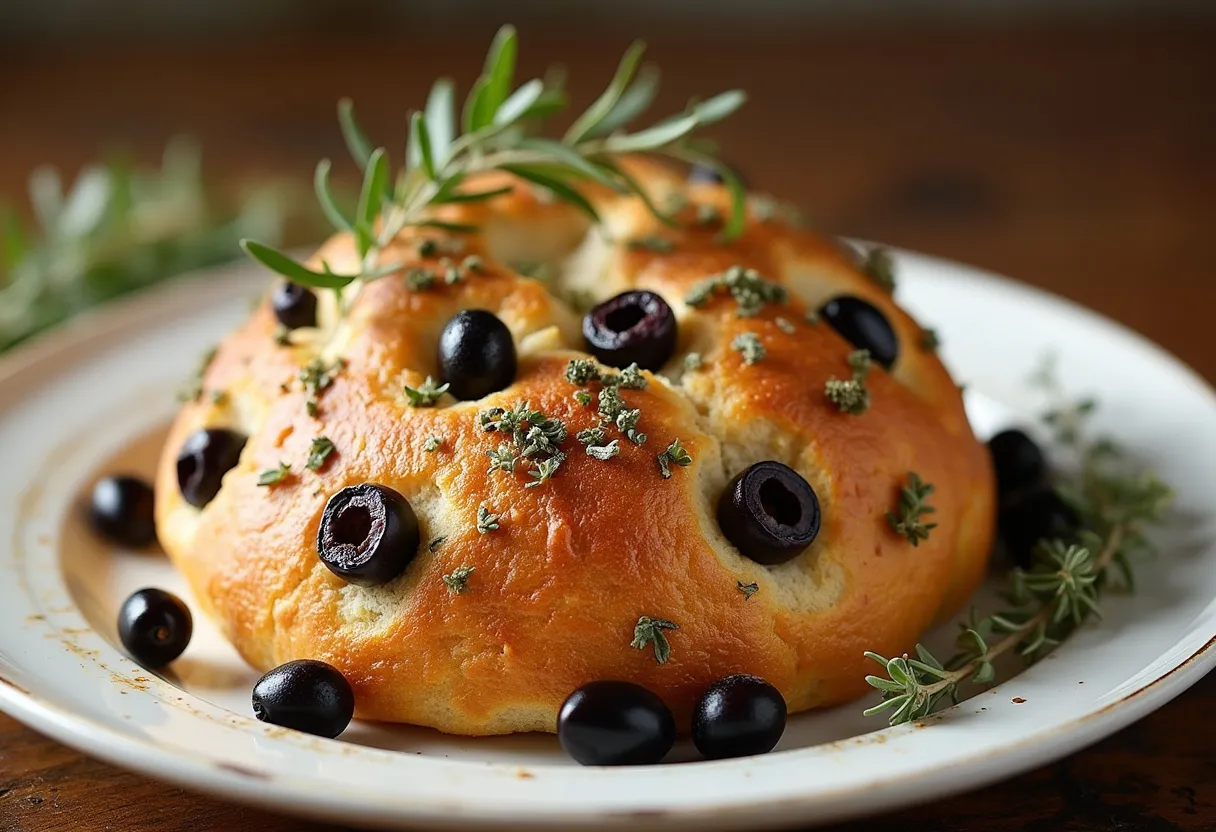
x,y
558,588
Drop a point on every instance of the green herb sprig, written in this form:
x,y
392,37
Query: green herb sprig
x,y
495,133
751,291
457,581
427,393
1059,593
908,518
851,395
318,452
650,631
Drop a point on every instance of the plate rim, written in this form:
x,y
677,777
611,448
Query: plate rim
x,y
198,773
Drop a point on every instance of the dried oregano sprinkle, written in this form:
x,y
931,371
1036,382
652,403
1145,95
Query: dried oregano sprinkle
x,y
605,452
750,291
274,476
748,345
851,396
748,590
486,522
432,443
457,581
785,326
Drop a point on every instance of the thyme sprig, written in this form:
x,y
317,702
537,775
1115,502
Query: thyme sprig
x,y
495,133
533,436
1059,593
650,631
908,518
457,581
427,393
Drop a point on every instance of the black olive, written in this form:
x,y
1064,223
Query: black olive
x,y
769,513
738,716
631,328
1019,463
1039,515
122,510
476,354
155,626
864,326
615,724
306,695
294,305
368,535
203,461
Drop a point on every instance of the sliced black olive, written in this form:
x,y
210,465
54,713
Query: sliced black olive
x,y
633,327
203,461
1019,463
476,354
155,626
368,535
864,326
738,716
769,513
122,509
615,724
1039,515
306,695
294,305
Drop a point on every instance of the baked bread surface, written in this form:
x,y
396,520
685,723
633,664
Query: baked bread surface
x,y
557,589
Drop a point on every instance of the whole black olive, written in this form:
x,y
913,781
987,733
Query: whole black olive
x,y
122,509
306,695
1019,463
368,535
769,513
155,626
204,459
615,724
633,327
864,326
294,305
738,716
476,354
1040,515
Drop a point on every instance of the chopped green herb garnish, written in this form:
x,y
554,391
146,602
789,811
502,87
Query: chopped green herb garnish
x,y
428,248
581,371
458,580
503,459
627,423
282,336
750,291
545,469
316,377
219,397
435,543
650,631
906,519
318,452
193,389
693,362
785,326
631,378
419,278
592,436
274,476
749,346
852,396
432,444
611,403
486,522
427,393
707,215
452,274
812,317
473,264
605,452
879,266
929,341
652,242
748,590
676,454
582,397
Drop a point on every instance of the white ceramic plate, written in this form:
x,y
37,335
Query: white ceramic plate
x,y
95,397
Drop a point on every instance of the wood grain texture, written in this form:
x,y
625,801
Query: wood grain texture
x,y
1081,161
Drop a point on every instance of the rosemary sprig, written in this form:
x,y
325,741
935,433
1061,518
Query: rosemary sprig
x,y
1057,595
494,134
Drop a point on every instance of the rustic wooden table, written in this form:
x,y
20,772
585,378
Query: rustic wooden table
x,y
1081,161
